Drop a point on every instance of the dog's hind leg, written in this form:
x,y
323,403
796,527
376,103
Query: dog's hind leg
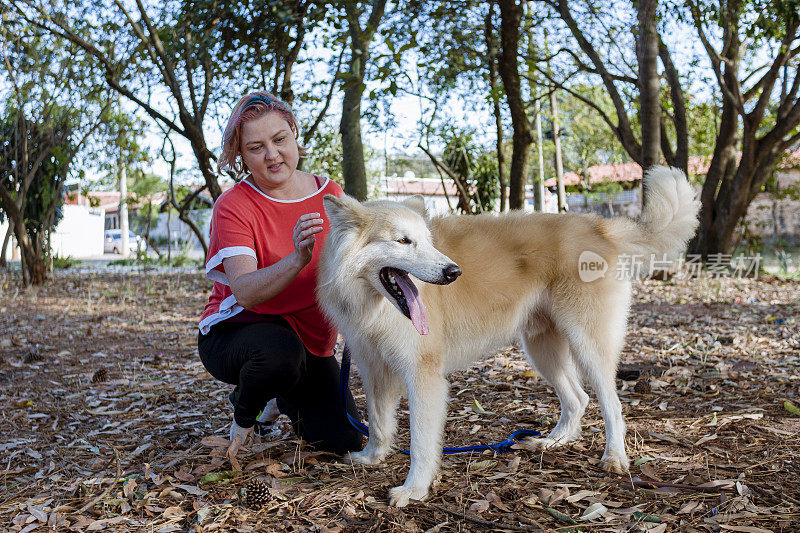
x,y
427,403
382,389
548,352
597,351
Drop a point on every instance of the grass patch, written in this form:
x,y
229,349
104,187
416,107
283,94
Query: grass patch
x,y
177,260
65,262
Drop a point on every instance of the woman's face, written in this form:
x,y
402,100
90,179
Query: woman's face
x,y
270,150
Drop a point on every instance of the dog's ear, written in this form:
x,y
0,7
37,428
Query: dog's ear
x,y
343,211
417,203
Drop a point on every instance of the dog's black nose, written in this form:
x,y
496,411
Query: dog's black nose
x,y
451,272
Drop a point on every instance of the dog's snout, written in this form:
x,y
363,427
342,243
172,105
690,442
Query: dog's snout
x,y
451,272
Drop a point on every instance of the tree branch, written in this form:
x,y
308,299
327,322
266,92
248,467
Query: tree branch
x,y
187,67
169,76
624,131
681,156
462,192
66,32
717,60
767,82
310,131
580,64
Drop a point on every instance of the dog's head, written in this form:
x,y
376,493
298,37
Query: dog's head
x,y
382,243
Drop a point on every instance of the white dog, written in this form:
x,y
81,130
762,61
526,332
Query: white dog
x,y
550,279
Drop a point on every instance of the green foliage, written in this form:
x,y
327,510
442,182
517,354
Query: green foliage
x,y
701,116
475,167
420,165
129,261
603,191
248,46
48,148
179,260
325,154
487,183
586,139
65,262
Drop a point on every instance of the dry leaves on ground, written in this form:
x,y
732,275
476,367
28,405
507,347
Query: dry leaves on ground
x,y
110,423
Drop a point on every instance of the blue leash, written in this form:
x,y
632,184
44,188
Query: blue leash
x,y
500,447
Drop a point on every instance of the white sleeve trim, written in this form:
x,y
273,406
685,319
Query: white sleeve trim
x,y
225,253
227,308
219,277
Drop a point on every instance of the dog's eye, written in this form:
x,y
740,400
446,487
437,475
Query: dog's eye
x,y
404,240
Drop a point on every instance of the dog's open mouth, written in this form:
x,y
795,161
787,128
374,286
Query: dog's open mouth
x,y
402,289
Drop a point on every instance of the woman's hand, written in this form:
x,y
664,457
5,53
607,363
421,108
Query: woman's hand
x,y
251,286
303,233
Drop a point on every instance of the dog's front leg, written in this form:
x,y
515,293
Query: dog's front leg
x,y
427,402
382,389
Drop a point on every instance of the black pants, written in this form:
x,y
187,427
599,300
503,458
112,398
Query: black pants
x,y
267,360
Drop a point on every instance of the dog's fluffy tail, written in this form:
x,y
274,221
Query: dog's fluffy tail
x,y
669,218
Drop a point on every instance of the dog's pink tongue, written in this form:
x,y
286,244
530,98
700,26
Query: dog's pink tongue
x,y
419,315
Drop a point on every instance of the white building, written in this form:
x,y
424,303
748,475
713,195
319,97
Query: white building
x,y
79,234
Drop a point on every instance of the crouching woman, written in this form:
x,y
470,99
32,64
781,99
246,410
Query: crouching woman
x,y
261,329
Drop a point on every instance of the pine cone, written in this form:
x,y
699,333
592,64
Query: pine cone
x,y
256,492
100,376
642,387
33,356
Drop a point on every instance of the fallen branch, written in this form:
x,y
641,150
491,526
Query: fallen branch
x,y
491,524
105,492
652,484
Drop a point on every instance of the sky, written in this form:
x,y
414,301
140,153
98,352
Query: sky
x,y
406,110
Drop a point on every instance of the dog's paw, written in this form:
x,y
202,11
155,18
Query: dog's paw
x,y
364,457
615,462
402,495
544,443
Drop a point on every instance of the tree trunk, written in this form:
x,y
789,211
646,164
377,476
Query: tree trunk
x,y
33,264
680,158
538,185
649,102
169,234
723,161
510,18
721,169
562,196
204,157
4,249
147,230
491,56
353,169
735,195
731,186
183,207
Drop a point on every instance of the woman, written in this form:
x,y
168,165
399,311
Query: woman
x,y
262,330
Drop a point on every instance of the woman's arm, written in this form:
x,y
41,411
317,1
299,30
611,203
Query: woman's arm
x,y
251,287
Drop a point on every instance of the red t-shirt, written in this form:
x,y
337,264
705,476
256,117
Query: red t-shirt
x,y
246,221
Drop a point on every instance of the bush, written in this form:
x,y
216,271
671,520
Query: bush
x,y
179,260
130,261
65,262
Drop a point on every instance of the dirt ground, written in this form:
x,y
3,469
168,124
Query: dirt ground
x,y
109,422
